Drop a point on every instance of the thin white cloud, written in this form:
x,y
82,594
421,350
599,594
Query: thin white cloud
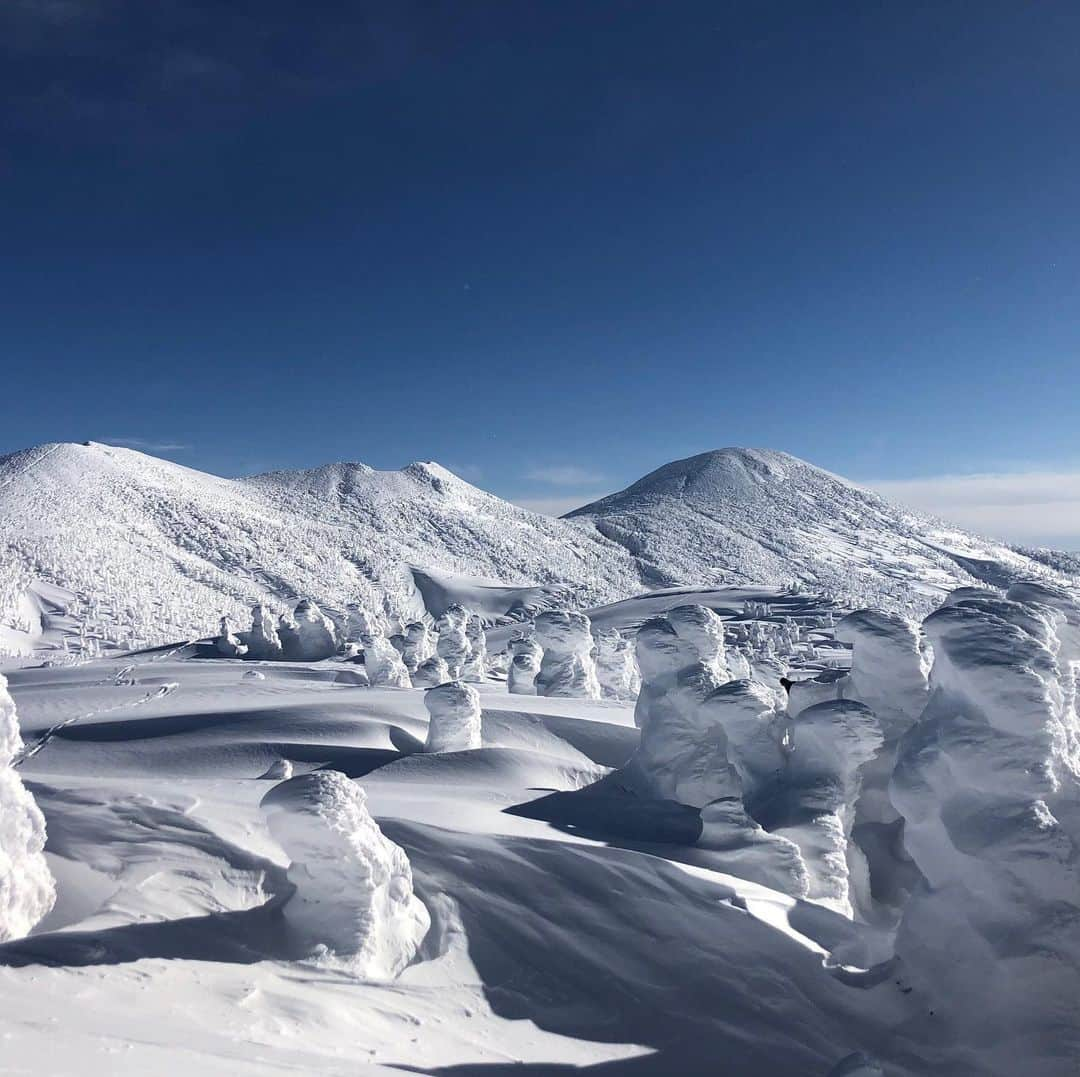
x,y
554,506
147,445
565,475
1032,506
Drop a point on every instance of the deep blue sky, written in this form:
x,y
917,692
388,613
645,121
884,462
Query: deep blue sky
x,y
568,241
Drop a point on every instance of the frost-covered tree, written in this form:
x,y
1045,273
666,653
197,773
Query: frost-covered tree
x,y
988,784
263,641
454,711
354,888
228,643
383,663
616,666
27,890
567,667
418,645
524,666
453,645
475,666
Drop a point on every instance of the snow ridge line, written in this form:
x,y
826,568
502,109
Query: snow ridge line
x,y
30,465
29,752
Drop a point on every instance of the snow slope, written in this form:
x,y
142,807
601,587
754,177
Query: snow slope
x,y
152,552
547,947
104,547
763,517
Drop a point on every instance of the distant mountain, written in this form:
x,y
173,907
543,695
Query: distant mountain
x,y
110,545
764,517
141,551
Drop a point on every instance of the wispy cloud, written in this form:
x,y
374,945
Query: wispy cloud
x,y
565,475
147,444
1030,506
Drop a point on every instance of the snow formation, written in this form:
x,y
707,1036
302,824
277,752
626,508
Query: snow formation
x,y
815,801
418,645
354,889
453,644
616,666
315,635
27,890
988,784
475,666
567,667
526,654
383,663
454,710
229,644
430,672
263,641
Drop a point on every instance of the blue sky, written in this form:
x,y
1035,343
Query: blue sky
x,y
551,245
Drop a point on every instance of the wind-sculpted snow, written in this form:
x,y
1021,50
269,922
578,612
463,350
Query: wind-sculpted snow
x,y
354,889
763,517
229,644
453,643
383,663
27,890
475,666
567,667
263,642
758,736
419,646
526,654
988,784
454,710
430,672
814,800
315,636
616,666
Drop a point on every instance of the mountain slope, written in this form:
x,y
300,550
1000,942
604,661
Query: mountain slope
x,y
761,516
153,552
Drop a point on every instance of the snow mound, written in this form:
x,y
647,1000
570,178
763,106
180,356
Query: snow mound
x,y
354,889
27,890
454,710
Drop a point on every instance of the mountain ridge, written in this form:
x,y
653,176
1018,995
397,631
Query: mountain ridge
x,y
152,551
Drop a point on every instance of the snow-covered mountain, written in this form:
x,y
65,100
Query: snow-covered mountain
x,y
756,515
108,544
138,550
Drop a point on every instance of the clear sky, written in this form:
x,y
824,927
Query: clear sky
x,y
551,244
